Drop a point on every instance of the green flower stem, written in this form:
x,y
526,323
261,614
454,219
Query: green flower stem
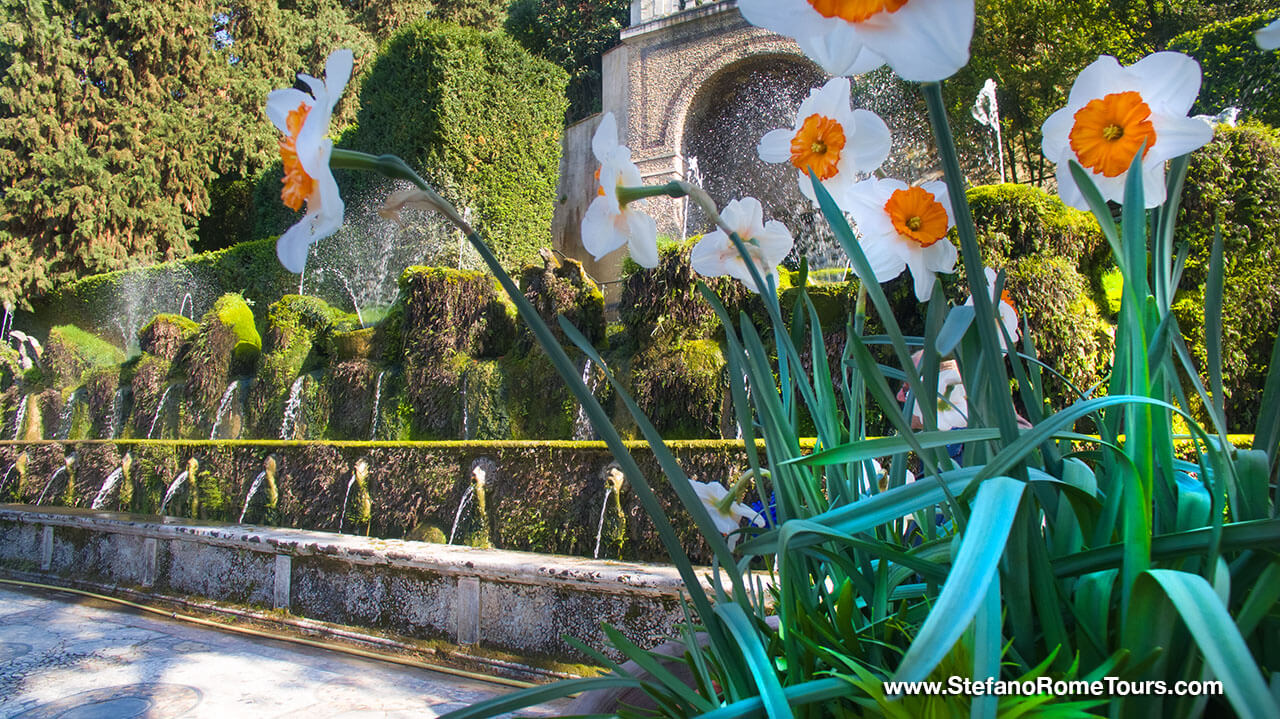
x,y
627,195
984,307
739,486
397,169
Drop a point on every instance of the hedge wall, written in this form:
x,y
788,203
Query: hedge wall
x,y
1235,180
1237,73
479,117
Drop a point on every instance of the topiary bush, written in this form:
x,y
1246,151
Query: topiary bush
x,y
478,117
1237,73
1234,183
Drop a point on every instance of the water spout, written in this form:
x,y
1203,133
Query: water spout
x,y
172,490
466,431
112,480
253,489
68,464
265,482
223,407
582,429
462,506
67,415
7,324
117,413
160,409
613,482
292,408
377,400
21,420
182,308
361,511
350,293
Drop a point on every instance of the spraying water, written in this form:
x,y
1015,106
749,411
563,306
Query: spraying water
x,y
466,430
112,480
172,490
21,419
253,489
600,527
582,429
160,409
986,110
182,308
462,505
117,413
342,513
7,324
292,408
223,407
61,471
65,417
4,481
346,284
377,399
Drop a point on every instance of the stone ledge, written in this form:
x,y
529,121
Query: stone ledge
x,y
514,602
681,16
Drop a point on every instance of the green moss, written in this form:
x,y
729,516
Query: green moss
x,y
680,388
234,312
70,352
563,288
539,403
165,335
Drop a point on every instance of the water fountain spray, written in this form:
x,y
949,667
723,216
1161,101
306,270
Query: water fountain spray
x,y
188,477
68,494
616,531
360,512
986,110
265,482
116,478
476,530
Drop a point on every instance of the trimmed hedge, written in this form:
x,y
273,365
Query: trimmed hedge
x,y
1235,181
478,117
1237,73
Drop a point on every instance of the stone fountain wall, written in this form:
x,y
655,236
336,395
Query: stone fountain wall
x,y
546,497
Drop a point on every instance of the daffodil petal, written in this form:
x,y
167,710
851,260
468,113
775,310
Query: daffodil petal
x,y
605,139
1176,136
598,235
1170,81
282,102
838,52
1269,37
642,238
925,40
870,144
775,146
337,71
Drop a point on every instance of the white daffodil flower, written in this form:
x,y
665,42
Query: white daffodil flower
x,y
1269,37
767,243
608,224
922,40
1005,312
904,227
726,516
1112,111
835,141
953,401
305,149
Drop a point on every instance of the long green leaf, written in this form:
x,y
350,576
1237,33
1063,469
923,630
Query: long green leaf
x,y
534,696
762,670
976,563
818,690
1224,650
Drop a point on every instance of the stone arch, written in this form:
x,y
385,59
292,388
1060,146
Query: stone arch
x,y
725,119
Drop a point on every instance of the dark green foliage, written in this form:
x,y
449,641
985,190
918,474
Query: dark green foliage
x,y
1235,180
232,214
681,388
479,117
1018,220
573,35
481,14
1237,73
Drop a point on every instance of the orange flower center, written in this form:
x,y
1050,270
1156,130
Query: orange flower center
x,y
599,187
298,185
855,10
817,146
917,214
1109,131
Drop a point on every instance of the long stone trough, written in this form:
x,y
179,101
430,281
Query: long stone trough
x,y
513,603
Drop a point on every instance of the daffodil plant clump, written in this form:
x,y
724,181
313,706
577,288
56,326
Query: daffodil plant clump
x,y
985,545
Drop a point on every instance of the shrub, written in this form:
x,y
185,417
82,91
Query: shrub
x,y
1235,181
478,117
1237,73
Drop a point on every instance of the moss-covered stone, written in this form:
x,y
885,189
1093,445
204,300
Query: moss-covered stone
x,y
562,287
664,301
70,352
166,335
227,345
680,388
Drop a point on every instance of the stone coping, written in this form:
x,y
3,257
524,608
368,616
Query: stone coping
x,y
492,564
681,16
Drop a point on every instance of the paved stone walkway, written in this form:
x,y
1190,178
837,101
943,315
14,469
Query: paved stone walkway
x,y
63,657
